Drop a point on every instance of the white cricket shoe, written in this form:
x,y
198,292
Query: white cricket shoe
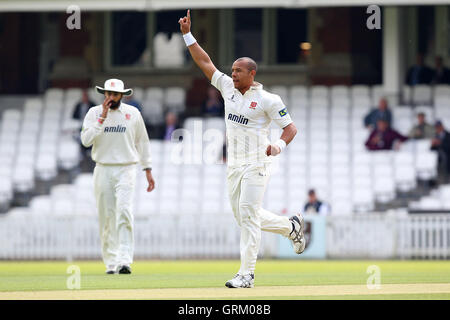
x,y
241,281
297,236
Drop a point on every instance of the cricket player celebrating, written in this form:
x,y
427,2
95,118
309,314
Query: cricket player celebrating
x,y
249,110
119,140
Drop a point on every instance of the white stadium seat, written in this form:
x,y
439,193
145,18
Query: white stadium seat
x,y
421,94
360,91
426,165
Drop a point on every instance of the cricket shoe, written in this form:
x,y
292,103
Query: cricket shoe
x,y
241,281
124,269
111,270
297,235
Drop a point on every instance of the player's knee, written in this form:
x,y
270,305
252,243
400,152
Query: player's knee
x,y
248,212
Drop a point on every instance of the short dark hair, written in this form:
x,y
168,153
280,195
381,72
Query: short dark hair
x,y
251,64
311,192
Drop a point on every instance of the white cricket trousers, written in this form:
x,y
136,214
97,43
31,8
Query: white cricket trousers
x,y
114,192
246,186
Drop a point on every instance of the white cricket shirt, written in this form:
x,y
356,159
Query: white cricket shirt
x,y
248,117
121,139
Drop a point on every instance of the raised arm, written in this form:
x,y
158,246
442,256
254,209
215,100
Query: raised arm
x,y
200,57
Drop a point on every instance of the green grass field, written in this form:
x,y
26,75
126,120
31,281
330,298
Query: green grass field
x,y
275,279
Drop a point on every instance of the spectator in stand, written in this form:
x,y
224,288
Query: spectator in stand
x,y
170,125
441,74
422,130
213,105
79,113
383,137
314,205
419,73
82,107
132,102
381,113
441,144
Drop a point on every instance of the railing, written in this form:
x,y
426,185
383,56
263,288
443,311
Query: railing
x,y
156,237
371,236
387,236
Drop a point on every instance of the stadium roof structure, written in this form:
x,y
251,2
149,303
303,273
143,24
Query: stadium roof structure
x,y
155,5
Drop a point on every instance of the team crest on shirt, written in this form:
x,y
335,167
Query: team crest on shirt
x,y
128,116
253,105
283,112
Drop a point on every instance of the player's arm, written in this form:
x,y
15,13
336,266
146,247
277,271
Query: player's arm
x,y
142,144
287,136
278,112
93,125
200,57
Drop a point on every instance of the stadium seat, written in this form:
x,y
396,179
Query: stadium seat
x,y
68,154
426,165
54,94
46,167
403,158
319,102
382,157
339,92
341,208
430,203
357,91
421,94
96,97
363,200
138,94
73,94
319,91
23,179
6,191
41,205
405,177
152,111
384,189
174,99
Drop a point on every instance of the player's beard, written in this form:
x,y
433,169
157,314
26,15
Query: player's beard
x,y
114,105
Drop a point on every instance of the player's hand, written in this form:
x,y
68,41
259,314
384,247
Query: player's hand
x,y
150,180
273,150
107,103
185,23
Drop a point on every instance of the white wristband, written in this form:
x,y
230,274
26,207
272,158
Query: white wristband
x,y
281,144
189,39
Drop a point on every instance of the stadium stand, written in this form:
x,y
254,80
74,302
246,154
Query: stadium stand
x,y
39,141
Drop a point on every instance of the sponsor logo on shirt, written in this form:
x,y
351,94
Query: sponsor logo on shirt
x,y
283,112
117,128
238,119
253,105
128,116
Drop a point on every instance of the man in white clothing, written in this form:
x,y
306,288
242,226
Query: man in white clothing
x,y
119,142
249,110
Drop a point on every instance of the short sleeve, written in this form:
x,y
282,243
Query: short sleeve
x,y
222,82
278,112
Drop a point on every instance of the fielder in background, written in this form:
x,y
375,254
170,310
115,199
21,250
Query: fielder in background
x,y
119,142
249,110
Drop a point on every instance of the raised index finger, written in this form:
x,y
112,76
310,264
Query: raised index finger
x,y
189,15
